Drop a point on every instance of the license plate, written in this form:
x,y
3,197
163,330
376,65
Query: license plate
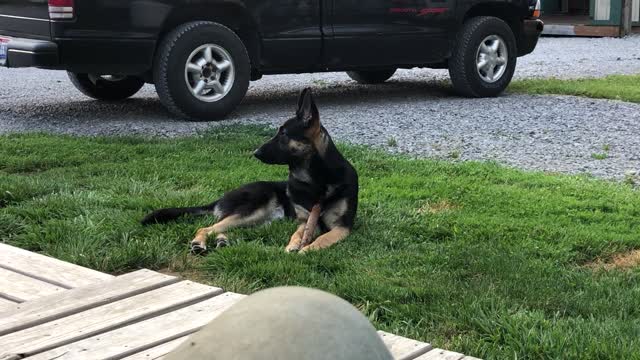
x,y
3,53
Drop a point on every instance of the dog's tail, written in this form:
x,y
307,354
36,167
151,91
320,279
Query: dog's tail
x,y
165,215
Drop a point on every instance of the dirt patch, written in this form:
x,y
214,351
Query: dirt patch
x,y
169,272
438,207
623,261
185,268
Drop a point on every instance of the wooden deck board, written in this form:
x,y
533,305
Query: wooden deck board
x,y
157,352
402,348
21,288
440,354
73,301
6,305
48,269
104,318
70,312
146,334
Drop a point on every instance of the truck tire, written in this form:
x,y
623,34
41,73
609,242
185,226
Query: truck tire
x,y
106,87
371,76
201,71
484,57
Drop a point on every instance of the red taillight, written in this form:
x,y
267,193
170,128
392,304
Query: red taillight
x,y
536,11
60,9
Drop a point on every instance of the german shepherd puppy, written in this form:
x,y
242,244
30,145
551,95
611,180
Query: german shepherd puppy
x,y
318,174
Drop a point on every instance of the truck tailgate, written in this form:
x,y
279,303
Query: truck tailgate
x,y
25,18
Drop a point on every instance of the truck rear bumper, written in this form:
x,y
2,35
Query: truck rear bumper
x,y
30,53
99,56
532,28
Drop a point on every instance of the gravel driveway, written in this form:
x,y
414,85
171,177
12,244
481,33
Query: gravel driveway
x,y
414,111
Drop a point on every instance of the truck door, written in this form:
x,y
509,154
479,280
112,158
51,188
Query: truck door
x,y
388,32
291,34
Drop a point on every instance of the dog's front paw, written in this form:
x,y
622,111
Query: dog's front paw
x,y
292,248
198,248
306,249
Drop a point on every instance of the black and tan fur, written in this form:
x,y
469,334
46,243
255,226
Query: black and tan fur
x,y
318,173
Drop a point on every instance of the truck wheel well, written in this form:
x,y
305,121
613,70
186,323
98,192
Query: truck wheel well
x,y
234,17
506,12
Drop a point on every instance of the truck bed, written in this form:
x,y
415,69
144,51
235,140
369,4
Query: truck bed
x,y
25,18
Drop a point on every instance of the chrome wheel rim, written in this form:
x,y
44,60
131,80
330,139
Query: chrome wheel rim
x,y
492,58
209,73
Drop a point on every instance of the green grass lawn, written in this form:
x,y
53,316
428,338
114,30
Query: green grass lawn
x,y
616,87
472,257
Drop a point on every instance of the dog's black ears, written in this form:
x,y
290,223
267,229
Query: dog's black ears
x,y
307,110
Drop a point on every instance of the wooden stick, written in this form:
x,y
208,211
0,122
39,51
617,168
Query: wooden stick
x,y
310,226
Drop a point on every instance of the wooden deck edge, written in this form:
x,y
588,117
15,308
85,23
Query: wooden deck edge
x,y
21,288
120,323
142,349
403,348
441,354
9,298
47,269
168,309
34,276
581,30
69,277
10,357
159,351
143,336
9,328
422,348
414,355
6,304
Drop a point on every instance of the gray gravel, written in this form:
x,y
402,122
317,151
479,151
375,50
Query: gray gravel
x,y
417,113
581,57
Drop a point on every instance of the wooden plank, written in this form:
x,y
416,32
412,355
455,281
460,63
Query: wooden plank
x,y
146,334
581,30
440,354
104,318
588,30
48,269
402,348
73,301
21,288
158,352
6,306
10,357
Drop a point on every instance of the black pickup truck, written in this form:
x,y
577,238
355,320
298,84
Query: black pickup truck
x,y
202,54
